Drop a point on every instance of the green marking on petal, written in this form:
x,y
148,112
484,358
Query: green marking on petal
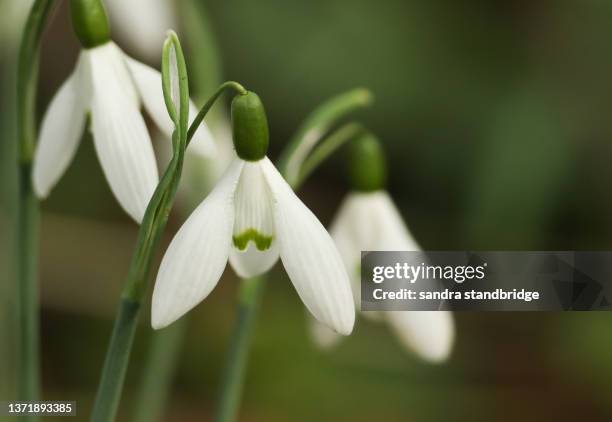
x,y
262,242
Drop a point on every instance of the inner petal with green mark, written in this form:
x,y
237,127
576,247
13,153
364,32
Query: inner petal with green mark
x,y
253,201
261,241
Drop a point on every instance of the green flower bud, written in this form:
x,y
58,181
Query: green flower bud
x,y
90,22
250,127
367,165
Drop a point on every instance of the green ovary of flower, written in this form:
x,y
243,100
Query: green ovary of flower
x,y
262,242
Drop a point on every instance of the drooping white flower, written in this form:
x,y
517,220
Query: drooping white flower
x,y
110,87
369,221
142,24
251,218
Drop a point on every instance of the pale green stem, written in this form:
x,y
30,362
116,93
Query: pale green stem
x,y
28,211
316,126
327,147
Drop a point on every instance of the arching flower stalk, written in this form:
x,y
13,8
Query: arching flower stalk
x,y
252,218
110,87
368,220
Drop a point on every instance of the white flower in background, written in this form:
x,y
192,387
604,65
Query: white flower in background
x,y
110,87
251,218
13,15
142,24
368,220
201,172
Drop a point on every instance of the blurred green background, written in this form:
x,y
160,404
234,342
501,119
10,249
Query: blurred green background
x,y
496,117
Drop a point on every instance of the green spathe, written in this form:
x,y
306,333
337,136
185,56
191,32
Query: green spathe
x,y
90,22
367,166
250,127
262,242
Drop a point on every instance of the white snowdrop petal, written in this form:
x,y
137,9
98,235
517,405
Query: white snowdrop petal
x,y
142,24
253,203
197,256
368,222
203,142
60,132
428,333
119,131
252,262
393,234
149,84
221,129
310,257
254,248
350,239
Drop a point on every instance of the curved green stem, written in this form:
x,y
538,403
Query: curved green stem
x,y
315,126
28,212
327,147
230,85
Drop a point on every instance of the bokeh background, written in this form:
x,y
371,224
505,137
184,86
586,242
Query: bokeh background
x,y
496,117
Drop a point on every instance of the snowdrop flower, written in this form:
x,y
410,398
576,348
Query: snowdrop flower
x,y
142,24
251,218
368,220
110,87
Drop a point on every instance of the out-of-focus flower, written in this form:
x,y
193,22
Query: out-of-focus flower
x,y
142,24
201,171
251,218
13,14
368,220
111,87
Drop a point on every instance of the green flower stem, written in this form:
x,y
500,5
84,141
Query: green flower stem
x,y
153,224
164,346
328,146
230,85
314,128
28,211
